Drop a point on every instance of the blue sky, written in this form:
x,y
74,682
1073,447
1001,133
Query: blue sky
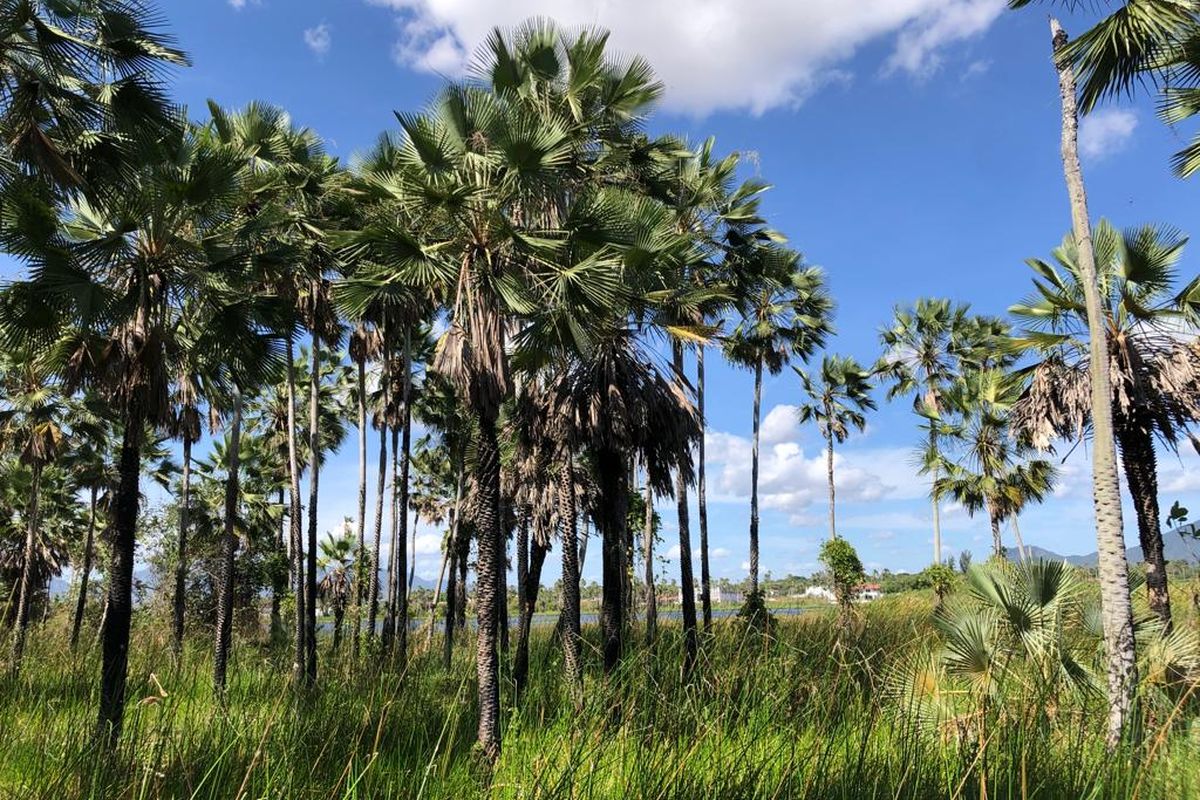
x,y
913,146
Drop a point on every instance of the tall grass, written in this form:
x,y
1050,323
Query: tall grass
x,y
800,713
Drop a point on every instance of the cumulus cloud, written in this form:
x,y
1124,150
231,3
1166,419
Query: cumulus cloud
x,y
756,55
780,425
319,39
1106,132
238,5
720,552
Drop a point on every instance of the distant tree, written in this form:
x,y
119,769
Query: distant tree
x,y
845,572
964,561
941,579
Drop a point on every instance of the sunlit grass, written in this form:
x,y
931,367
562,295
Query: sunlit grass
x,y
800,714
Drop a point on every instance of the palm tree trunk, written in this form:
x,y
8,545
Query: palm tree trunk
x,y
687,587
614,501
380,492
361,559
31,528
529,597
402,538
339,615
228,548
278,582
389,608
299,673
487,586
754,434
119,614
437,596
464,558
937,506
522,556
832,490
85,571
185,495
1141,473
1117,609
314,477
702,499
502,601
452,580
997,540
1022,553
570,580
648,556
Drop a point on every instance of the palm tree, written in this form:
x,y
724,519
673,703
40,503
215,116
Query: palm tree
x,y
1154,364
364,345
922,356
991,471
32,417
784,314
337,564
837,398
136,258
1110,538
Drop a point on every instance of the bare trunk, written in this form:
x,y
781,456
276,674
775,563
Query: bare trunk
x,y
754,434
402,556
1022,553
614,501
452,582
85,571
997,541
487,586
228,548
26,596
648,556
314,477
361,558
294,525
119,611
185,495
570,580
380,493
529,597
686,581
1141,474
278,582
702,499
832,490
937,507
389,606
1114,571
437,596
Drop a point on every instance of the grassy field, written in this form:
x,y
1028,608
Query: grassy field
x,y
800,713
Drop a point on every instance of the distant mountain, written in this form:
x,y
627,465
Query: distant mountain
x,y
1175,548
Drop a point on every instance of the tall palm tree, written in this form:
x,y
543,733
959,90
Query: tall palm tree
x,y
32,425
922,356
1154,364
783,314
364,345
988,468
337,578
1117,608
837,398
113,285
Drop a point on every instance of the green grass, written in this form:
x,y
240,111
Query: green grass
x,y
800,714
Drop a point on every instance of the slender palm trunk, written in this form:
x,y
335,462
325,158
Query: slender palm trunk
x,y
702,499
85,571
314,477
648,556
26,596
228,548
1022,553
528,598
389,606
614,501
570,579
278,581
402,510
464,558
832,490
437,596
686,581
119,613
361,559
380,492
997,540
1141,474
339,616
487,585
937,506
754,434
502,561
1117,612
452,581
185,495
299,673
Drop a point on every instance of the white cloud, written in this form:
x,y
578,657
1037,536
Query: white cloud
x,y
780,425
756,55
1105,132
719,552
429,543
238,5
319,39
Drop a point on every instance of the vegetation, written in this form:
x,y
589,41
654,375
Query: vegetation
x,y
521,270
